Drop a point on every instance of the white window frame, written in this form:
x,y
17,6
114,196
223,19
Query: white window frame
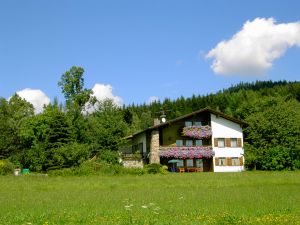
x,y
231,142
219,141
235,161
222,159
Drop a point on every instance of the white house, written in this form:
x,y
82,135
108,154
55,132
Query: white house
x,y
205,140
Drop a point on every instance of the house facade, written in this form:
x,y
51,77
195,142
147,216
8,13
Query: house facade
x,y
205,140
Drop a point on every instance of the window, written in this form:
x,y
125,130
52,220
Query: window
x,y
180,163
189,143
190,163
198,142
197,123
221,142
222,161
188,123
235,161
179,143
140,147
233,142
199,163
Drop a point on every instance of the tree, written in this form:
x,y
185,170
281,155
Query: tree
x,y
72,85
12,114
77,98
106,127
42,134
273,134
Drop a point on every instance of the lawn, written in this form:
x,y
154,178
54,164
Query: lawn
x,y
195,198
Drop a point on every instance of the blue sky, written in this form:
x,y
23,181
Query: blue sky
x,y
146,48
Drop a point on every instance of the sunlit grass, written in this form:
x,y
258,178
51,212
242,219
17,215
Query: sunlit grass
x,y
196,198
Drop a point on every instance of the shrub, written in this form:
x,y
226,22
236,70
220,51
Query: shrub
x,y
6,167
72,154
107,156
94,168
61,172
277,158
155,168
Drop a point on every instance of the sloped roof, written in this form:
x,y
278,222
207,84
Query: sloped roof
x,y
217,113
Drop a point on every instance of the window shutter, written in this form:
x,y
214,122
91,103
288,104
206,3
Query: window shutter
x,y
239,142
227,142
216,142
241,161
229,162
217,161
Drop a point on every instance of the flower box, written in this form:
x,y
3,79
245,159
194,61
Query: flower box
x,y
183,152
197,132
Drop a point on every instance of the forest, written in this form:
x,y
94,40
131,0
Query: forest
x,y
67,134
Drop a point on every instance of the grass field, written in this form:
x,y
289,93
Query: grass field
x,y
195,198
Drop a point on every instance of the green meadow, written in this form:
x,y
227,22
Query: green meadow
x,y
190,198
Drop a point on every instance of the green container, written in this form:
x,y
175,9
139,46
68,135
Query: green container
x,y
25,171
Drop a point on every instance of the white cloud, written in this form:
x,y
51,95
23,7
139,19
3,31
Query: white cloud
x,y
152,99
252,50
36,97
102,92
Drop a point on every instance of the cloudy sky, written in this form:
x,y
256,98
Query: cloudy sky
x,y
142,51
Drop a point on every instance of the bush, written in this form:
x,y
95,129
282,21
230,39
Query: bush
x,y
94,168
110,157
61,172
73,154
277,158
6,167
156,168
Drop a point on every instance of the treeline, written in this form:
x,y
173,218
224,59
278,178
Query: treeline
x,y
238,101
65,135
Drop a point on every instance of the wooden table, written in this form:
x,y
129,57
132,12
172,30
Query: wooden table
x,y
181,170
193,169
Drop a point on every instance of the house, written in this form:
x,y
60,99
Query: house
x,y
205,140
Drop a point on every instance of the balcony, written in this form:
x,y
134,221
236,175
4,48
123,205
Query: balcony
x,y
184,152
197,132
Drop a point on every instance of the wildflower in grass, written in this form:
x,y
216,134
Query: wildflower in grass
x,y
144,206
128,207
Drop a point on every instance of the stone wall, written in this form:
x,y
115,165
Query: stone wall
x,y
133,163
154,147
